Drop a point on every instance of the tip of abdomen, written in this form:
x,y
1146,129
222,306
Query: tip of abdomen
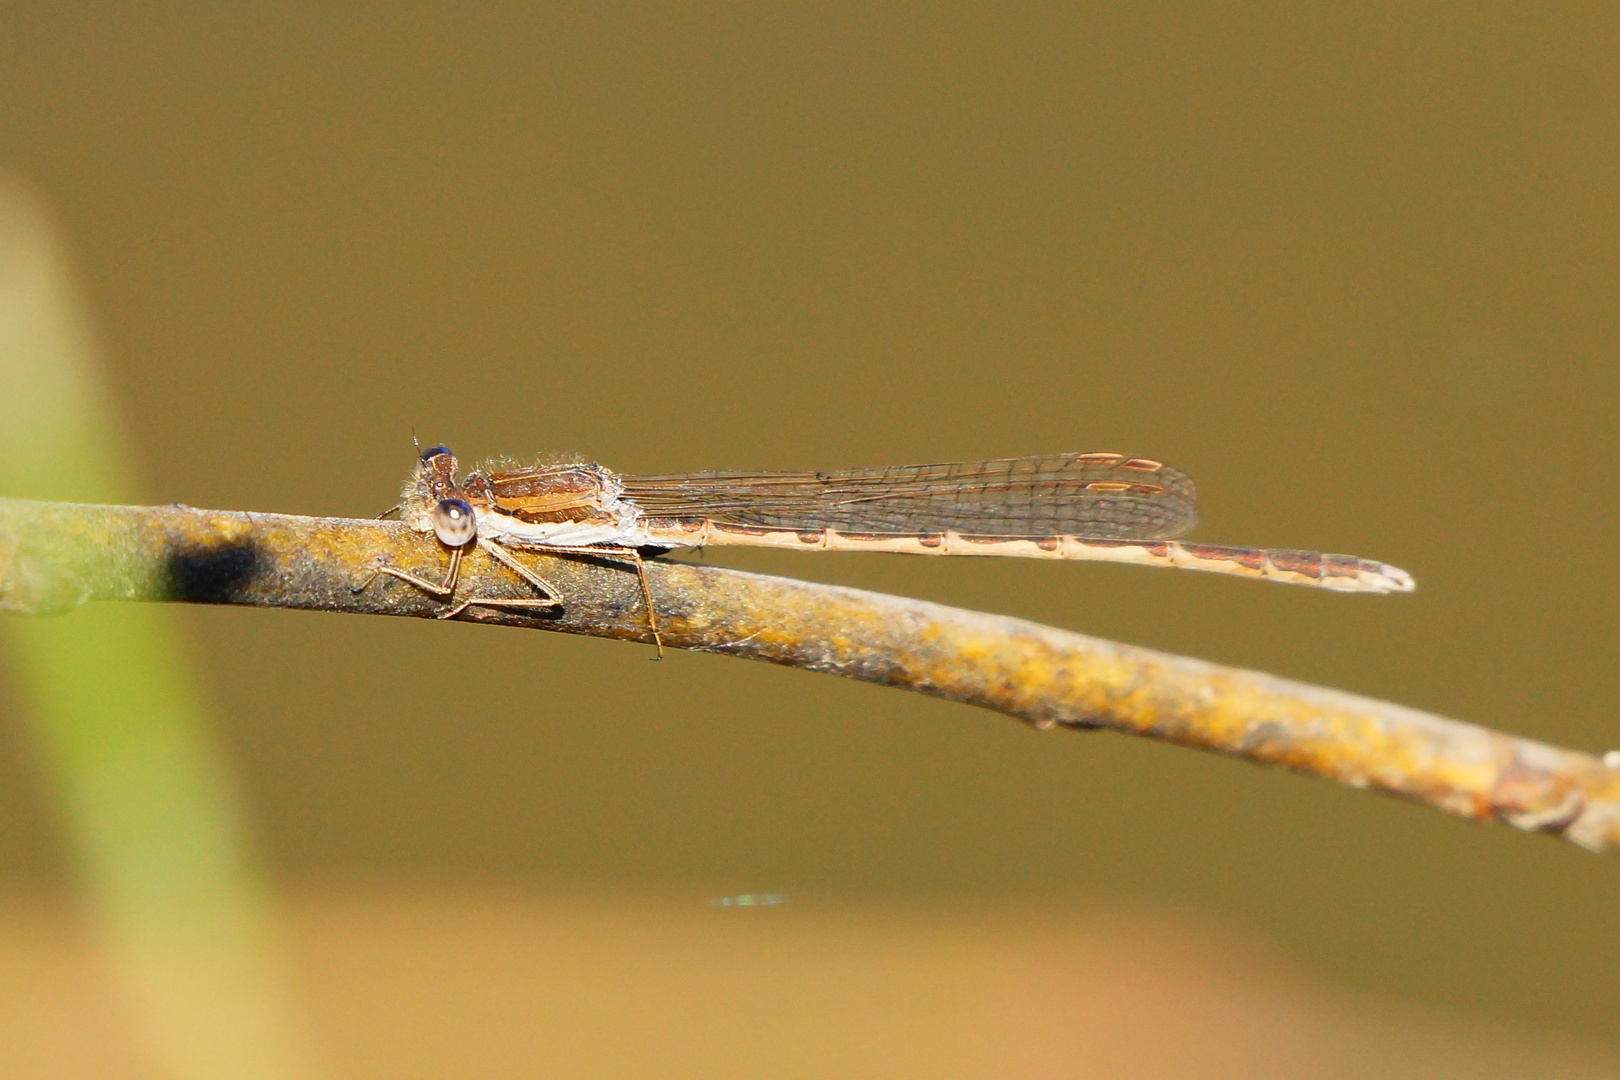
x,y
1386,578
1349,573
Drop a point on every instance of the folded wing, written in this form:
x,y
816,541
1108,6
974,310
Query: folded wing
x,y
1108,496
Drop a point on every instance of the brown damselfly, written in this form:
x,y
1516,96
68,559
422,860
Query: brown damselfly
x,y
1103,507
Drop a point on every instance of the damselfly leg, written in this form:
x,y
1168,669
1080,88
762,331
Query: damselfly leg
x,y
629,554
446,589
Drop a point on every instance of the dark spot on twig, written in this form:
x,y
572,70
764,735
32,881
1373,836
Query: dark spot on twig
x,y
215,574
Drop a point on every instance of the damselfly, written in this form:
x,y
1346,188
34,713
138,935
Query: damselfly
x,y
1106,507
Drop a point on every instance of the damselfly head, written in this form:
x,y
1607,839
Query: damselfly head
x,y
454,522
433,484
436,469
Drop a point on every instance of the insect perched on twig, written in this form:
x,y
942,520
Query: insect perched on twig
x,y
1104,507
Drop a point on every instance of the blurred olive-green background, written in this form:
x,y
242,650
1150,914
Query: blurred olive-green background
x,y
1354,268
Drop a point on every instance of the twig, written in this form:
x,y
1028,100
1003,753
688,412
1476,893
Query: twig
x,y
54,556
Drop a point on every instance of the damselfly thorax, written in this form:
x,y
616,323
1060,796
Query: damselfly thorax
x,y
1101,507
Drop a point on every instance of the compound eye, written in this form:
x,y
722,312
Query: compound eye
x,y
454,522
434,451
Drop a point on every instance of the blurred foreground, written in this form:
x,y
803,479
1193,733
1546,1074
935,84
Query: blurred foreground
x,y
493,984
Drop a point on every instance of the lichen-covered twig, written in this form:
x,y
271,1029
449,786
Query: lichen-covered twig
x,y
54,556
